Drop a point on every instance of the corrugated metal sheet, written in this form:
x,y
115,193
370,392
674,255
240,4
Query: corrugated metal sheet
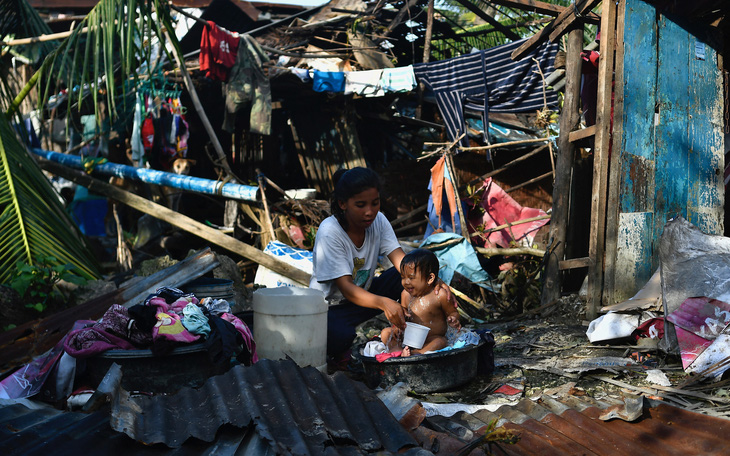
x,y
572,427
273,407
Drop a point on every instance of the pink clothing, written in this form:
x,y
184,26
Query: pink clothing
x,y
245,332
500,209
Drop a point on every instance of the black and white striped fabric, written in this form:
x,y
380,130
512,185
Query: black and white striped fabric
x,y
487,81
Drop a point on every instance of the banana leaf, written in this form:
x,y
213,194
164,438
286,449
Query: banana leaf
x,y
33,222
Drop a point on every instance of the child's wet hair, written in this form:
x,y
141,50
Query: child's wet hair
x,y
348,183
423,261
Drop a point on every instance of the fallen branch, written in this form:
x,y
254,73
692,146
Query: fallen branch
x,y
490,252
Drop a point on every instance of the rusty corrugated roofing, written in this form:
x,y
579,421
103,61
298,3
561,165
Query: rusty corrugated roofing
x,y
572,426
272,406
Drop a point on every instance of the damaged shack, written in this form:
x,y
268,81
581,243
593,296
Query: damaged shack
x,y
167,166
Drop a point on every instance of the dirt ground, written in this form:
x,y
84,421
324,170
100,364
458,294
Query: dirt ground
x,y
550,353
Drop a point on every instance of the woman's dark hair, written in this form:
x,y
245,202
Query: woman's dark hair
x,y
423,261
348,183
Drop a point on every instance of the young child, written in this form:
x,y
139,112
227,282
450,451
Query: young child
x,y
419,275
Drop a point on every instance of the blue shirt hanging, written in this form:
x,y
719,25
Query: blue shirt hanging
x,y
328,81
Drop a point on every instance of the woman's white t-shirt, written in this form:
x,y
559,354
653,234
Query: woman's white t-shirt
x,y
335,255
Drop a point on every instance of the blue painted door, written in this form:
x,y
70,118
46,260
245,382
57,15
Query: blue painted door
x,y
670,158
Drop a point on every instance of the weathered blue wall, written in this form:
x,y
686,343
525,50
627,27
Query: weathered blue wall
x,y
671,148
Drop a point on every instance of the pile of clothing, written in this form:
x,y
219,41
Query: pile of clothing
x,y
165,320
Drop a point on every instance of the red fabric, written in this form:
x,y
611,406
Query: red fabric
x,y
380,357
500,208
507,390
439,184
148,134
218,51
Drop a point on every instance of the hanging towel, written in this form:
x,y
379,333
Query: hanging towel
x,y
364,83
218,50
488,81
328,81
401,79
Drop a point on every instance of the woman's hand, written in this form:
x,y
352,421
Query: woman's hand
x,y
441,287
394,313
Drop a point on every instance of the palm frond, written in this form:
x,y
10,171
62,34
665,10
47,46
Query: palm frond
x,y
33,222
115,43
19,20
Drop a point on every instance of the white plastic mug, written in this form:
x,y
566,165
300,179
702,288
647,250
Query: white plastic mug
x,y
415,335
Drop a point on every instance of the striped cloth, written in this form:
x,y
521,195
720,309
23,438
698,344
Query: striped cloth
x,y
488,81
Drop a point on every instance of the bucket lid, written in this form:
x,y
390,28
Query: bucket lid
x,y
289,301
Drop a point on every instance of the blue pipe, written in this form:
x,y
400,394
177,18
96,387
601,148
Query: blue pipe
x,y
153,176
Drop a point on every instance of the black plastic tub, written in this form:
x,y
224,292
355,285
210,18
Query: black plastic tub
x,y
423,373
187,365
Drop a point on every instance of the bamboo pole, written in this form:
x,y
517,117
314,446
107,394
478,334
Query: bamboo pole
x,y
508,143
266,204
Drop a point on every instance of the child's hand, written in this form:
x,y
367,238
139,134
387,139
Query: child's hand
x,y
453,321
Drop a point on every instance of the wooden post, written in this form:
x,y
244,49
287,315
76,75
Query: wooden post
x,y
426,54
429,33
569,119
599,212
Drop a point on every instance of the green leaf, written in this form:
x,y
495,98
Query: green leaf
x,y
33,222
40,307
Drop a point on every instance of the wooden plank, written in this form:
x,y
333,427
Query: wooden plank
x,y
181,221
489,19
554,29
575,263
561,27
534,41
706,139
569,119
610,234
507,166
583,133
531,181
399,17
601,160
531,5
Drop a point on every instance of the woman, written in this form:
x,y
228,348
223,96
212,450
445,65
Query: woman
x,y
346,252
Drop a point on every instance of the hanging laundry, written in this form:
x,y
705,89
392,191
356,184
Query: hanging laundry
x,y
328,81
364,83
401,79
218,50
136,142
301,73
442,186
248,85
488,81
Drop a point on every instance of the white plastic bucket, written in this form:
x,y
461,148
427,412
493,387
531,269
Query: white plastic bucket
x,y
415,335
291,321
